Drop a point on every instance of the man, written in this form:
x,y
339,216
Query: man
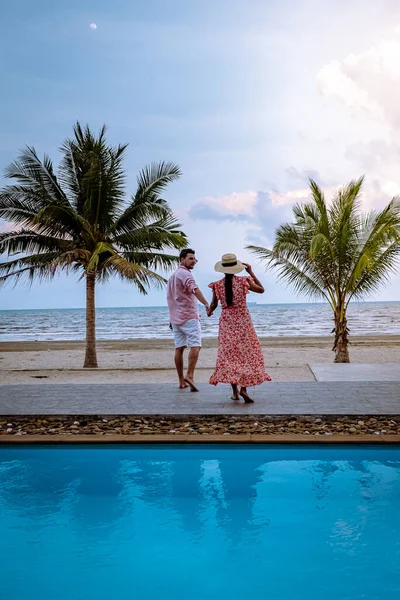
x,y
183,295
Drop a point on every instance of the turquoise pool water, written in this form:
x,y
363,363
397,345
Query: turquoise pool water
x,y
200,522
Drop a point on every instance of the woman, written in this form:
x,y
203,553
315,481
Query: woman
x,y
240,361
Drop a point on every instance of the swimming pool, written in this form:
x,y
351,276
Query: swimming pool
x,y
226,522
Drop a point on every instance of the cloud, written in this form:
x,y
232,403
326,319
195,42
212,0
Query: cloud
x,y
236,204
391,188
374,155
380,160
336,80
203,212
303,175
233,206
245,205
262,212
93,26
367,83
291,197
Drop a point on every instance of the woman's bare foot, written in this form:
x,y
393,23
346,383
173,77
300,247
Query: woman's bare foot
x,y
190,381
245,396
235,392
183,385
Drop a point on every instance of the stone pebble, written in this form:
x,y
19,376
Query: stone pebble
x,y
201,425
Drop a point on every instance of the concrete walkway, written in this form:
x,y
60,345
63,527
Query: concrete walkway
x,y
355,372
165,399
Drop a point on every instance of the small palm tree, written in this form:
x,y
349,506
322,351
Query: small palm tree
x,y
80,222
336,253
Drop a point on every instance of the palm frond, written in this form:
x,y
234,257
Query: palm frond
x,y
153,179
20,204
28,241
306,284
320,204
40,266
344,225
38,175
100,254
24,206
319,242
157,235
92,172
376,273
377,232
336,253
153,260
141,276
264,254
79,221
146,205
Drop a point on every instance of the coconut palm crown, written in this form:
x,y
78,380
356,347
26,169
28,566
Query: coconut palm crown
x,y
79,220
335,253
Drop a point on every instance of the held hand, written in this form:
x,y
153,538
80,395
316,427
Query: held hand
x,y
209,311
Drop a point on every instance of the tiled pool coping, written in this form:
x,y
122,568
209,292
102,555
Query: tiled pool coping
x,y
191,438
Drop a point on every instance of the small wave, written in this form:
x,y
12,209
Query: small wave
x,y
148,322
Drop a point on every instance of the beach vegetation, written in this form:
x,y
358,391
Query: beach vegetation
x,y
79,220
335,253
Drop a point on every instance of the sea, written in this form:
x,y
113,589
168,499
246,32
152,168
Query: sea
x,y
270,320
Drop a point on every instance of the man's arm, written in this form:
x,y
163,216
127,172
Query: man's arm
x,y
201,298
191,286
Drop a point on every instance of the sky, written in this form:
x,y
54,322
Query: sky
x,y
249,97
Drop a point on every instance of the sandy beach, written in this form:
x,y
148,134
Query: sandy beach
x,y
140,361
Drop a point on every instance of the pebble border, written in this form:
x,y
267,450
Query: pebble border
x,y
208,429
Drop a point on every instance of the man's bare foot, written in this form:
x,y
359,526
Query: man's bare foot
x,y
190,381
246,397
183,385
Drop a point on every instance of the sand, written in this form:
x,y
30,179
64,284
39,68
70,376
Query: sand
x,y
140,361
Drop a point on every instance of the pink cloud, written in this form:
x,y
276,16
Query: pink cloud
x,y
241,203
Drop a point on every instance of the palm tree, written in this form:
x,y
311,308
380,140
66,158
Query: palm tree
x,y
335,253
80,222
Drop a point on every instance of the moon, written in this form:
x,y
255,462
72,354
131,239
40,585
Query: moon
x,y
93,26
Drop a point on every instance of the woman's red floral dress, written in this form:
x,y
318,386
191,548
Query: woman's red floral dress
x,y
240,359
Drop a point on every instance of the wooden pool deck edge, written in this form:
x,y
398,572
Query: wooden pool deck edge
x,y
192,438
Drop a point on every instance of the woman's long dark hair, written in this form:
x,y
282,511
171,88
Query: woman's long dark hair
x,y
228,289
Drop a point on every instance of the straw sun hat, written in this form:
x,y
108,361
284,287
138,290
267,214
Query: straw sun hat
x,y
229,264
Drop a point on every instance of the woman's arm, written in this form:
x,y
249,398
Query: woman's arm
x,y
256,285
213,305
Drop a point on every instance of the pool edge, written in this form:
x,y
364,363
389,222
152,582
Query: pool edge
x,y
199,439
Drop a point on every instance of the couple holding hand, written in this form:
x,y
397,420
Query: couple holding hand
x,y
240,361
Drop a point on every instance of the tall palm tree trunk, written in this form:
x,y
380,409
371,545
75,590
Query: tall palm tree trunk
x,y
341,336
90,356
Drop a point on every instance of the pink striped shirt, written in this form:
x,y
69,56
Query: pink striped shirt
x,y
182,302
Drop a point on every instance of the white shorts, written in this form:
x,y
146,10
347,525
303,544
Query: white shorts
x,y
187,334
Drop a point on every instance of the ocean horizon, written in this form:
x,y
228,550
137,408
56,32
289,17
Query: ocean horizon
x,y
152,322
